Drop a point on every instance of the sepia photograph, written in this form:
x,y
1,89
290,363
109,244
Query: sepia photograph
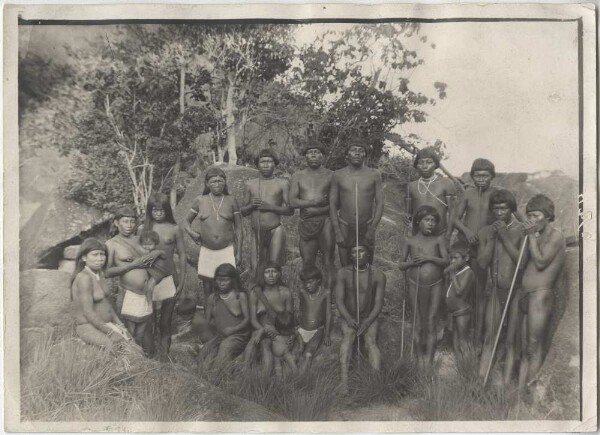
x,y
279,218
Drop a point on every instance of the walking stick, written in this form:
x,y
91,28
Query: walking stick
x,y
512,285
357,281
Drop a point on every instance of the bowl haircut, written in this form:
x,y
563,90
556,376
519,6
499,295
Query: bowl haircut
x,y
424,210
483,165
503,196
266,152
541,203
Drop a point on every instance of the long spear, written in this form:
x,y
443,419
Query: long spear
x,y
512,285
406,232
357,276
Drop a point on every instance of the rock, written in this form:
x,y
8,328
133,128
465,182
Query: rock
x,y
67,266
45,298
70,252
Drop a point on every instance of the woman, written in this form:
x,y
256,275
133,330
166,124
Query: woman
x,y
225,328
271,314
159,218
96,321
220,236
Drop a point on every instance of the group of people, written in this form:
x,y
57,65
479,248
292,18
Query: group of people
x,y
497,256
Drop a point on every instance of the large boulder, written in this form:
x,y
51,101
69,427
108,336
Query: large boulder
x,y
45,298
57,223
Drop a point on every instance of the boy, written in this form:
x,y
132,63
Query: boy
x,y
356,194
473,213
315,315
149,240
431,189
428,257
546,249
499,245
266,200
359,297
458,295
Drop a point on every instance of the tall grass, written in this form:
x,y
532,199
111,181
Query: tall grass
x,y
63,379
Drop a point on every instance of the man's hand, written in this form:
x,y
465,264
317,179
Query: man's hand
x,y
271,331
319,202
421,259
450,269
363,328
370,233
407,220
353,324
238,258
501,229
339,239
471,237
529,227
306,213
256,336
327,340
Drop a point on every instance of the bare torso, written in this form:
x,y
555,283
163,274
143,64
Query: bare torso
x,y
216,220
228,312
502,265
429,273
477,211
366,293
276,296
534,279
312,309
167,232
125,250
270,191
349,182
313,184
455,301
434,194
101,305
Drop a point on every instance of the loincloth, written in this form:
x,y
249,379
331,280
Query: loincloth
x,y
164,290
310,228
349,231
410,280
308,335
135,307
210,259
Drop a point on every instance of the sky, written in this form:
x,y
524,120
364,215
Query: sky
x,y
511,95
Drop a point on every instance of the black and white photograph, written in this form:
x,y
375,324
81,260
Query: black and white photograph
x,y
280,218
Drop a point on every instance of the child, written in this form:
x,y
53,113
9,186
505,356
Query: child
x,y
315,315
499,245
458,295
431,189
428,257
149,240
473,213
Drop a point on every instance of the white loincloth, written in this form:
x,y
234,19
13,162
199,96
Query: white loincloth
x,y
307,335
135,307
165,289
209,260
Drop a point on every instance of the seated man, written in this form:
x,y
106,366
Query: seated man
x,y
359,291
315,315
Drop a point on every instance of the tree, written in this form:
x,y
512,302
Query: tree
x,y
357,83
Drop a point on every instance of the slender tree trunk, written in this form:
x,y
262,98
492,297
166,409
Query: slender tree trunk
x,y
177,167
231,124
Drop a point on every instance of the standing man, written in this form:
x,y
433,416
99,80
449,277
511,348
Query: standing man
x,y
356,191
547,253
266,200
126,260
359,291
309,192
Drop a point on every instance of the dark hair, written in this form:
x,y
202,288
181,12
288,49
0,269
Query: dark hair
x,y
313,145
311,272
365,244
162,200
503,196
424,210
214,172
483,165
266,152
229,270
125,211
427,153
149,236
461,247
88,245
269,265
358,141
541,203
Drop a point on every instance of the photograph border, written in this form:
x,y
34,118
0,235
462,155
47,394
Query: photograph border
x,y
583,14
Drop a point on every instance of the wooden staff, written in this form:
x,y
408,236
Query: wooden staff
x,y
357,276
258,236
412,342
512,285
406,232
477,296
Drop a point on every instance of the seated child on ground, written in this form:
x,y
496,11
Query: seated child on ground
x,y
458,295
315,315
149,240
428,257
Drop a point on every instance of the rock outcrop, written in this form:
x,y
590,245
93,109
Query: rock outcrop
x,y
45,298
